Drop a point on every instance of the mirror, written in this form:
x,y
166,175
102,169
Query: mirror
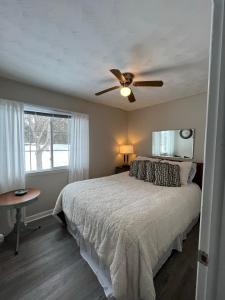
x,y
173,143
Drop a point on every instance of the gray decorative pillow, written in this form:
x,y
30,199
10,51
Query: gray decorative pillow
x,y
141,173
174,175
150,171
167,175
133,168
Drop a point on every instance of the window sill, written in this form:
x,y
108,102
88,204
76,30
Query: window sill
x,y
48,171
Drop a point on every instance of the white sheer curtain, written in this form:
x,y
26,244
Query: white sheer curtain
x,y
79,147
12,171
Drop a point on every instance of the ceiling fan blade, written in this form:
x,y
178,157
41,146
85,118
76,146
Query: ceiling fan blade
x,y
148,83
131,97
107,90
118,75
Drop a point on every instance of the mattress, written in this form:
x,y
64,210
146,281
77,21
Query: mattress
x,y
127,226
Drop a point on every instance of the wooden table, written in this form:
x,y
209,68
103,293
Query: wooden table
x,y
10,200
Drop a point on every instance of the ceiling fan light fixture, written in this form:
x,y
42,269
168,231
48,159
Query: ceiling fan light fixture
x,y
125,91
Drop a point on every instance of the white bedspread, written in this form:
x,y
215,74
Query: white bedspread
x,y
131,224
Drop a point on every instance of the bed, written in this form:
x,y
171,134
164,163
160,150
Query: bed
x,y
127,228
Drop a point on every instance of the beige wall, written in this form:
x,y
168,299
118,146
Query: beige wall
x,y
184,113
108,128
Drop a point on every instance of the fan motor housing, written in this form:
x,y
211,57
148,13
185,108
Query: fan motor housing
x,y
129,78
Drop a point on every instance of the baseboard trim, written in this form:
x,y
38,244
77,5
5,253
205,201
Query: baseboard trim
x,y
38,216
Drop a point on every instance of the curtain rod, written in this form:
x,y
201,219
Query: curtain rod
x,y
56,115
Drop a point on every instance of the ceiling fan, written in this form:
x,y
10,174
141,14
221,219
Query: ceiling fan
x,y
126,79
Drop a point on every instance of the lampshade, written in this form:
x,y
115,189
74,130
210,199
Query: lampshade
x,y
126,149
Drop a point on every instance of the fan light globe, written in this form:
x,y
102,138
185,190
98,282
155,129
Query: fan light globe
x,y
125,91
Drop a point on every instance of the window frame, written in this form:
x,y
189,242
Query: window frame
x,y
51,114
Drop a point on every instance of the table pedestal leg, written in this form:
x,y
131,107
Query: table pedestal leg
x,y
17,225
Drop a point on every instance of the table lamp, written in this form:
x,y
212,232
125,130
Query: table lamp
x,y
126,150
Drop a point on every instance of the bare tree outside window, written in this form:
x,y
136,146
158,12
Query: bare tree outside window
x,y
46,141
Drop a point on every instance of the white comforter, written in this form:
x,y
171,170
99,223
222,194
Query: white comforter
x,y
131,224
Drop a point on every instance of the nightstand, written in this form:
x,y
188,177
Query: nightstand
x,y
122,169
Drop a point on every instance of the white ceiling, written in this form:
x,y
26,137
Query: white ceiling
x,y
70,45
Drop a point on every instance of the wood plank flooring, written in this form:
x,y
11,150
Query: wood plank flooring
x,y
49,266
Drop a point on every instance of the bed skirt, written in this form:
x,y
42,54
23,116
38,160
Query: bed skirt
x,y
89,254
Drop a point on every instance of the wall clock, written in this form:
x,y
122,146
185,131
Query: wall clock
x,y
186,133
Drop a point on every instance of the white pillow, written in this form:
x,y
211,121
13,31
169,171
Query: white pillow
x,y
146,158
185,168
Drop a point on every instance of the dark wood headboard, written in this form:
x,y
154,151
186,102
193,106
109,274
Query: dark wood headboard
x,y
199,174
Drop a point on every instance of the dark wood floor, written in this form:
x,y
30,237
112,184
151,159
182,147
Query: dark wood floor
x,y
49,266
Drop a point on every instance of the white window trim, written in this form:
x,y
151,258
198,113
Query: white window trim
x,y
63,169
47,110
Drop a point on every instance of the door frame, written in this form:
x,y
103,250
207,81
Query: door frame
x,y
210,283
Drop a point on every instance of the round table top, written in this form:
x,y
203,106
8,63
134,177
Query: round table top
x,y
11,200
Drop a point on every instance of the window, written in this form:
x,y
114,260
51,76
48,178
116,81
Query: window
x,y
46,140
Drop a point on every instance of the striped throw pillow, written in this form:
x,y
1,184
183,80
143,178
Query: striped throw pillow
x,y
133,168
167,175
150,171
141,173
